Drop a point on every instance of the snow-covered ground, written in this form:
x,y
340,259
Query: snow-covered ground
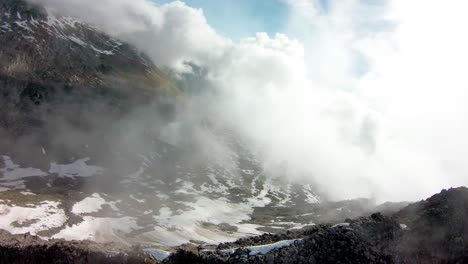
x,y
101,229
42,217
205,214
175,228
90,204
78,168
13,174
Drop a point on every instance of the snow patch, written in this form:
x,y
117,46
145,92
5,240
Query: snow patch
x,y
77,41
102,229
103,52
88,205
78,168
20,220
23,25
13,171
176,228
300,226
311,196
27,193
136,199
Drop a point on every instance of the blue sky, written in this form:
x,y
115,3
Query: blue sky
x,y
242,18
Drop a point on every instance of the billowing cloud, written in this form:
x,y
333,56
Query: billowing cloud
x,y
368,100
171,34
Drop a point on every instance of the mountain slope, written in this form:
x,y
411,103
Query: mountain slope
x,y
86,150
56,60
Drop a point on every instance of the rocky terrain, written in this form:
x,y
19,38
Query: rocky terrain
x,y
31,249
429,231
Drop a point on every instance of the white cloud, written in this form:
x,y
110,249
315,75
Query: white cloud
x,y
171,34
368,102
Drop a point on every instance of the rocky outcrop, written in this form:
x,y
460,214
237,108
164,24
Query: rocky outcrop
x,y
437,229
31,249
364,240
430,231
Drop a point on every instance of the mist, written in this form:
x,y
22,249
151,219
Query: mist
x,y
361,99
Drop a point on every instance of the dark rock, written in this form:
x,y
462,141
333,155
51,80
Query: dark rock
x,y
437,229
31,249
437,234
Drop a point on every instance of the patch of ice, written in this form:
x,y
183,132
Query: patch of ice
x,y
263,249
158,254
